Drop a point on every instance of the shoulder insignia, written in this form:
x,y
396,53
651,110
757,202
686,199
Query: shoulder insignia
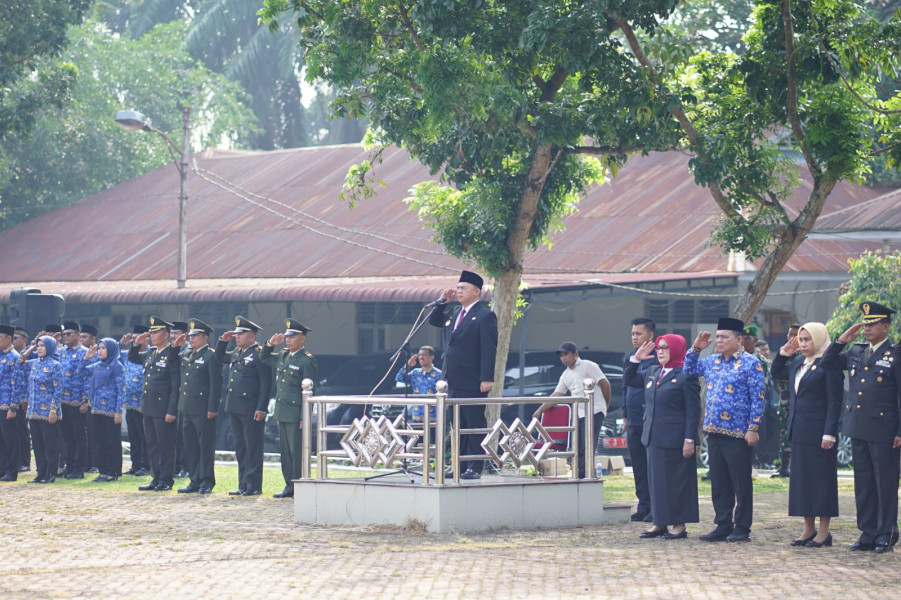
x,y
309,354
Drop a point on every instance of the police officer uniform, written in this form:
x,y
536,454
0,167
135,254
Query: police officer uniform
x,y
872,419
198,404
290,371
159,398
249,384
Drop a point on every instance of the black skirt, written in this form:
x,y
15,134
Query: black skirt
x,y
813,487
674,486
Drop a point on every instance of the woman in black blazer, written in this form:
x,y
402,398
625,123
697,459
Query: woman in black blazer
x,y
671,415
814,406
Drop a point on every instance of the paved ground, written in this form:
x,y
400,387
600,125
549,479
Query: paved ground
x,y
69,543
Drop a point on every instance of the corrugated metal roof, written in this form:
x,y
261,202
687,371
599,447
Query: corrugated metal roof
x,y
277,215
877,214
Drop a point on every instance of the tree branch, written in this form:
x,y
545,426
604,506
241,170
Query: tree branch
x,y
598,151
718,195
791,82
409,25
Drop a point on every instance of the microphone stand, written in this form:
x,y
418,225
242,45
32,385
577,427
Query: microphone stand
x,y
404,351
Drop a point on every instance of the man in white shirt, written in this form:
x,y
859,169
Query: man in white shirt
x,y
571,382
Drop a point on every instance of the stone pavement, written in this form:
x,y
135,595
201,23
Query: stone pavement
x,y
70,543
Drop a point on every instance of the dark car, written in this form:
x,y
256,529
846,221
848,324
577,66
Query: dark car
x,y
537,375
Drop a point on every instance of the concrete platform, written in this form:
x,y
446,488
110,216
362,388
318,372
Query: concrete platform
x,y
494,502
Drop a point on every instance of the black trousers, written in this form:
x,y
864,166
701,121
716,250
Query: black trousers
x,y
135,422
730,481
45,438
597,421
9,445
471,417
291,449
160,437
200,449
248,436
24,438
876,470
639,456
107,444
180,457
75,438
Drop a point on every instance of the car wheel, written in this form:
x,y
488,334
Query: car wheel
x,y
843,447
703,459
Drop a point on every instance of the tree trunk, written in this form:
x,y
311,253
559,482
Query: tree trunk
x,y
791,237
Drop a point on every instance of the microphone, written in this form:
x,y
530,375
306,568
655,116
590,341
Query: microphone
x,y
436,302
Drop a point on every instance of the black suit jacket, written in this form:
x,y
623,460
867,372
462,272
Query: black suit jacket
x,y
161,378
872,411
672,408
470,351
249,379
814,409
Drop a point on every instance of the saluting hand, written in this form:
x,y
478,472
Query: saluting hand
x,y
126,339
645,351
790,348
449,294
702,341
142,338
411,362
92,351
227,336
850,334
180,340
276,339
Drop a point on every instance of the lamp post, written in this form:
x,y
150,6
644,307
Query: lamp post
x,y
132,120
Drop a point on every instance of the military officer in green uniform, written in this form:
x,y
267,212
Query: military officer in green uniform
x,y
292,365
198,405
159,401
246,401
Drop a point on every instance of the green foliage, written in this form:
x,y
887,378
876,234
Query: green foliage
x,y
77,149
875,277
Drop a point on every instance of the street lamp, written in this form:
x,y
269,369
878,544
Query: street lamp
x,y
132,120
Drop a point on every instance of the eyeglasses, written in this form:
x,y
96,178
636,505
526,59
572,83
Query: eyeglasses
x,y
67,333
659,348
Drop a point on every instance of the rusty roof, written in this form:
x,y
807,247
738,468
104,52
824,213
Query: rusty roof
x,y
877,214
276,216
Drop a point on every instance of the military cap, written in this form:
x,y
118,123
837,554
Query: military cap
x,y
23,332
873,312
51,328
750,330
7,329
244,324
139,329
730,324
180,325
89,329
73,325
470,277
195,326
293,327
157,323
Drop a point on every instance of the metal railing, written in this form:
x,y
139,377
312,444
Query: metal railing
x,y
374,440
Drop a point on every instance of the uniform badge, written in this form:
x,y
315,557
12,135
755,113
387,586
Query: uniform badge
x,y
725,416
447,324
674,380
813,368
650,383
729,389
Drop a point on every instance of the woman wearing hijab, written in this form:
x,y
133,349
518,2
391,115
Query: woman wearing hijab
x,y
671,415
106,392
813,412
45,374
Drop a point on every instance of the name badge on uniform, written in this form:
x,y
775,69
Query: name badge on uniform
x,y
161,363
883,363
248,359
294,367
199,361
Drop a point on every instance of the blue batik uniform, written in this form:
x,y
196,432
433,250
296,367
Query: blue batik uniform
x,y
422,383
736,391
10,376
108,399
44,389
134,383
72,386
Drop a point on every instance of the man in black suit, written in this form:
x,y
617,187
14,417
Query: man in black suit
x,y
470,346
643,330
247,402
872,419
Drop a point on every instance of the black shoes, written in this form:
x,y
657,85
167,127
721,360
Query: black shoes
x,y
717,535
826,542
803,541
251,492
203,491
780,473
739,536
470,474
35,480
284,494
188,490
182,474
652,534
74,475
103,478
149,487
9,477
24,468
50,479
163,487
676,536
637,517
236,493
142,472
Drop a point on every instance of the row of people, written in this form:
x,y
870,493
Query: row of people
x,y
734,402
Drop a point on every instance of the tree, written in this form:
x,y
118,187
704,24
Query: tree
x,y
32,31
875,277
806,86
78,150
519,105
